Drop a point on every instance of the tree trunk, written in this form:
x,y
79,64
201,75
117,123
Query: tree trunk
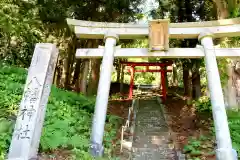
x,y
76,71
165,74
166,78
196,86
94,77
230,94
122,78
187,80
56,72
95,73
65,72
233,84
59,69
118,71
222,9
84,77
175,78
68,62
68,71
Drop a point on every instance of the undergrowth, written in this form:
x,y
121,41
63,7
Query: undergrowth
x,y
199,146
205,144
67,121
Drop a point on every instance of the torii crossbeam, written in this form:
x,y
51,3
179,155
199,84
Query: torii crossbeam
x,y
159,32
188,30
197,52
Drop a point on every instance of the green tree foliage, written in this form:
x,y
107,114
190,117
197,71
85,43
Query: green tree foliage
x,y
25,23
19,31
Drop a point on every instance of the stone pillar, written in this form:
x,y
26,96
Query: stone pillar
x,y
28,127
224,144
102,95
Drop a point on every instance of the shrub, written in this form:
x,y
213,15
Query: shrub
x,y
203,104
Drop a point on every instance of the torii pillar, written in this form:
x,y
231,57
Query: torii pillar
x,y
99,118
223,138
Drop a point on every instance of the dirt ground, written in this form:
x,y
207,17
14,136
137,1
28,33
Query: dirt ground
x,y
59,154
185,123
119,107
182,120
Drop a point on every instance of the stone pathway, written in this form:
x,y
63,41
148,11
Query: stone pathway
x,y
151,139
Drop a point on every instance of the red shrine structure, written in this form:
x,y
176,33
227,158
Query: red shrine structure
x,y
163,69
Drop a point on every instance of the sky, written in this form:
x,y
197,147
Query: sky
x,y
150,5
146,7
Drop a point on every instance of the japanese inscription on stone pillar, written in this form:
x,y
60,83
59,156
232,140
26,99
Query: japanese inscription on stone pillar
x,y
28,127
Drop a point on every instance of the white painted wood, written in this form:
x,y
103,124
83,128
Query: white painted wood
x,y
27,132
96,30
171,53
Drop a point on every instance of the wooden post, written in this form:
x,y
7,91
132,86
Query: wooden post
x,y
131,82
27,132
158,35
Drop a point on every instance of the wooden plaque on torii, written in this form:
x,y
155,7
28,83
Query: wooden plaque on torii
x,y
159,35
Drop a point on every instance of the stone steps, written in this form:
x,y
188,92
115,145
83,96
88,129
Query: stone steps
x,y
151,140
142,154
150,146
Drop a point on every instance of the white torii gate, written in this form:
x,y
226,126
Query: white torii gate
x,y
204,31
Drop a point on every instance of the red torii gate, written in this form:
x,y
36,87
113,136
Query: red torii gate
x,y
147,65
